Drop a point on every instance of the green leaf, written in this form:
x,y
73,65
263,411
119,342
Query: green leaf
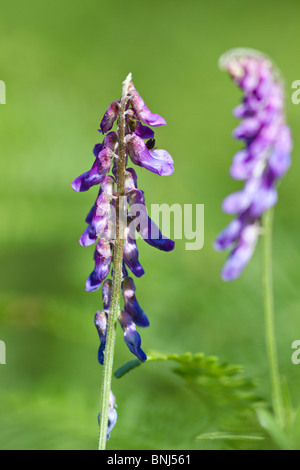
x,y
268,423
287,402
200,371
127,367
226,394
227,436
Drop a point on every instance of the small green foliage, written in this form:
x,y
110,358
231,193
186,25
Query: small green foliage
x,y
201,371
229,397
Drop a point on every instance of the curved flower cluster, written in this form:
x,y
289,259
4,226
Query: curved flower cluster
x,y
139,144
263,161
140,149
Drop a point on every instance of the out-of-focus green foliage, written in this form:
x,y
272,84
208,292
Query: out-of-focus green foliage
x,y
62,64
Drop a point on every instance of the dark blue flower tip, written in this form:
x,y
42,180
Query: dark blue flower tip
x,y
101,350
94,281
153,236
90,215
131,256
100,321
131,305
136,313
136,269
97,149
131,336
144,132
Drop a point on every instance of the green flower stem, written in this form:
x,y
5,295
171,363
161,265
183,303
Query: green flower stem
x,y
117,269
277,398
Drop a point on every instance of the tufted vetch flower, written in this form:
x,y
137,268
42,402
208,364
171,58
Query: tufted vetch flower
x,y
265,158
118,214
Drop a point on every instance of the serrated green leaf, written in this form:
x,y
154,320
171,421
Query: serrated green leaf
x,y
200,371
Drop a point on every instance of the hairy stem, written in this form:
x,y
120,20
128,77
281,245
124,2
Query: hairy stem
x,y
117,272
269,319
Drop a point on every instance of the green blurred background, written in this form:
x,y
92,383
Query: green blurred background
x,y
63,63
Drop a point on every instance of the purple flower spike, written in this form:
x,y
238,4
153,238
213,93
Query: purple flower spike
x,y
107,222
131,336
141,156
109,117
265,158
100,321
102,265
142,111
131,305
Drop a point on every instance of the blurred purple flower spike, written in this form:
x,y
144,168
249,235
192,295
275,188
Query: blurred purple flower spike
x,y
264,160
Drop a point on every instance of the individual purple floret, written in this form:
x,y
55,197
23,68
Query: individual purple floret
x,y
159,161
102,258
131,305
141,111
100,321
131,336
112,415
264,159
140,148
